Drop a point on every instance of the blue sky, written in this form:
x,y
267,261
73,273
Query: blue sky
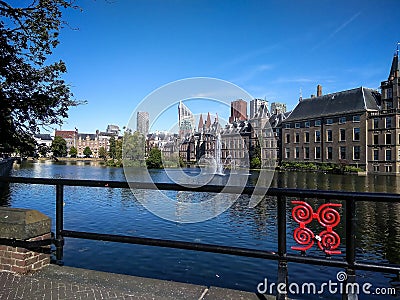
x,y
123,50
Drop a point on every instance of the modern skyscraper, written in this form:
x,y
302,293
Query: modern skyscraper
x,y
255,105
278,108
143,122
238,111
186,120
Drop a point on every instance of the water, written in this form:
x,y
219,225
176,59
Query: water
x,y
116,211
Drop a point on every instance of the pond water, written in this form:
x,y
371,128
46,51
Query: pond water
x,y
117,211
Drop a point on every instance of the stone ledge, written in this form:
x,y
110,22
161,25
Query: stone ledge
x,y
23,224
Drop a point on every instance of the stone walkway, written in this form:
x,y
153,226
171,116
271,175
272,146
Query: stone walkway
x,y
54,282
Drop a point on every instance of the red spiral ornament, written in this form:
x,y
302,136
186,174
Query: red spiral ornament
x,y
303,236
327,215
303,212
329,241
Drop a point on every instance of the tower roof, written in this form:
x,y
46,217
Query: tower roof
x,y
201,123
394,70
208,122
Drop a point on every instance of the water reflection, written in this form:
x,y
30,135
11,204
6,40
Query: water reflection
x,y
117,211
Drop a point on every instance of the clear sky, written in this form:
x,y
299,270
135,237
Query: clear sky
x,y
123,50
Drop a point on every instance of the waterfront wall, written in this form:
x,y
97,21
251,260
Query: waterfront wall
x,y
19,228
6,166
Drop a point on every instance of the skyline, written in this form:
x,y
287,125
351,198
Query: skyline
x,y
124,50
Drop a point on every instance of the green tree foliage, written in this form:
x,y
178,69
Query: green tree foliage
x,y
255,156
73,152
113,148
43,150
59,147
32,93
133,149
87,152
154,161
103,153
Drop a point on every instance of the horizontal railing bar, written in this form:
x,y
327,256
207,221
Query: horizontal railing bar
x,y
304,193
254,253
171,244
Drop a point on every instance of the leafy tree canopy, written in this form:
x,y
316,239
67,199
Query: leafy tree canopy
x,y
73,152
87,152
154,160
32,93
103,153
59,147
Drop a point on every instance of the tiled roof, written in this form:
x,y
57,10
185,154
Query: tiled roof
x,y
350,101
43,137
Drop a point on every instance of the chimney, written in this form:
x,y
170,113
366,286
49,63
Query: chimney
x,y
319,90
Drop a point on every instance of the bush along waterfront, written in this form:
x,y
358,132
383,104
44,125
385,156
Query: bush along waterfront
x,y
321,167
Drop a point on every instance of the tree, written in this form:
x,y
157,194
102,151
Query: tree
x,y
103,153
43,150
113,148
154,160
32,93
73,152
59,147
87,152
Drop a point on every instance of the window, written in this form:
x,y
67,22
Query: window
x,y
388,169
388,154
388,138
287,138
317,136
317,152
297,138
342,120
317,122
376,154
342,152
356,152
398,155
306,137
376,139
329,135
287,153
297,152
329,153
287,125
307,124
329,121
306,153
389,93
376,123
356,118
356,134
342,134
296,125
376,168
388,122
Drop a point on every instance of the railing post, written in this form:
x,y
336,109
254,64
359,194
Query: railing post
x,y
350,249
59,242
282,264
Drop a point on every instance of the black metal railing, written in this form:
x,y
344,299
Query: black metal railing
x,y
349,263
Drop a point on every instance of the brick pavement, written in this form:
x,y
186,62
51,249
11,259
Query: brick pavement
x,y
54,282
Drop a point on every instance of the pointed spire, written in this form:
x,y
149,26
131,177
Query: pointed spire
x,y
208,122
216,118
394,70
201,123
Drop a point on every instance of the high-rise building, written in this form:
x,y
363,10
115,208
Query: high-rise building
x,y
186,120
278,108
238,111
255,105
142,124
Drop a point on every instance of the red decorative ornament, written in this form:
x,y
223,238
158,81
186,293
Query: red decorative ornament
x,y
326,215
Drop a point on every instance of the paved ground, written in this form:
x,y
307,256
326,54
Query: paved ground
x,y
54,282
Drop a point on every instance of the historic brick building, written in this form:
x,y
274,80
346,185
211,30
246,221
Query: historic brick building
x,y
330,128
238,111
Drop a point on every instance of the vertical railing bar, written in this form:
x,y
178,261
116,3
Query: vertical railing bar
x,y
351,220
282,264
59,223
